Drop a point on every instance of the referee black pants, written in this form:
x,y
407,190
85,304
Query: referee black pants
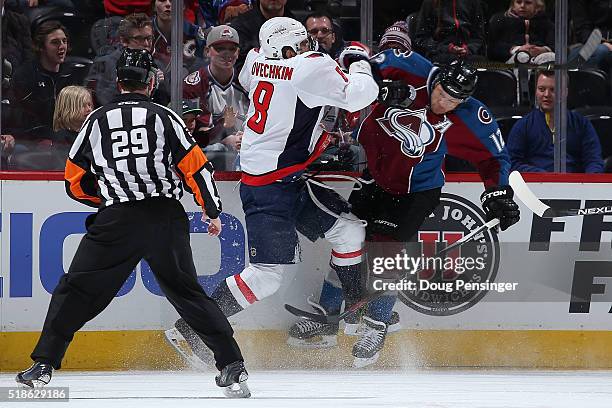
x,y
117,238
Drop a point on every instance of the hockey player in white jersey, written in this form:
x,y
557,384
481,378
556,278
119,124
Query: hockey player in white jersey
x,y
288,86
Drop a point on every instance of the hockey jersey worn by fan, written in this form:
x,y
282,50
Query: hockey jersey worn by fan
x,y
405,148
282,135
213,97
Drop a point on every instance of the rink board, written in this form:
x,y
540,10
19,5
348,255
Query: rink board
x,y
537,326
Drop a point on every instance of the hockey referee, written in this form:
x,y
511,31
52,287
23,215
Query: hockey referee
x,y
131,160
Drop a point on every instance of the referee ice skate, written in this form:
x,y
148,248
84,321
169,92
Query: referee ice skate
x,y
132,159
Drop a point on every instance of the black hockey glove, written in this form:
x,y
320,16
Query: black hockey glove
x,y
497,202
394,93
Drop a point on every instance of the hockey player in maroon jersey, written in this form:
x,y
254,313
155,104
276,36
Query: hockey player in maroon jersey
x,y
311,334
423,112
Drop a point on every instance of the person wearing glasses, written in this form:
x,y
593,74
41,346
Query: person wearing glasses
x,y
136,32
320,27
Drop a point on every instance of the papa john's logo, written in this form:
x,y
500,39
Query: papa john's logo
x,y
412,129
454,218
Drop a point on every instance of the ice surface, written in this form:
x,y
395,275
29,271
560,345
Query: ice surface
x,y
312,389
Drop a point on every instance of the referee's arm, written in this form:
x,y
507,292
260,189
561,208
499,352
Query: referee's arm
x,y
194,169
80,182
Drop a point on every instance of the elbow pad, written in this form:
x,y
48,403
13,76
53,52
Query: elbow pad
x,y
360,67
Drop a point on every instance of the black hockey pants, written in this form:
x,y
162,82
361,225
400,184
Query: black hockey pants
x,y
117,238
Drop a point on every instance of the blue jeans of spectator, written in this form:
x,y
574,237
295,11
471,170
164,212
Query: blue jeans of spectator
x,y
601,58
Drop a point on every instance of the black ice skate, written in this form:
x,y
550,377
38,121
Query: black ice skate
x,y
38,375
232,379
310,334
190,346
352,322
354,326
367,349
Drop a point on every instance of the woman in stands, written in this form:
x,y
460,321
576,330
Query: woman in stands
x,y
73,105
523,33
447,30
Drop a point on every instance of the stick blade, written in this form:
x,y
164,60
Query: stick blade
x,y
526,195
550,213
308,315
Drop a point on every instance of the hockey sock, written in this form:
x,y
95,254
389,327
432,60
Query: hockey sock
x,y
350,277
380,309
226,300
331,298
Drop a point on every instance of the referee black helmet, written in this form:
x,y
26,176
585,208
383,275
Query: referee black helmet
x,y
135,66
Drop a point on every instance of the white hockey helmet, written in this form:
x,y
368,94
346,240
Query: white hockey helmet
x,y
280,32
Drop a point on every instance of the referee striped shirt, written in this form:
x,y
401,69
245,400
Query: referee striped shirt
x,y
132,149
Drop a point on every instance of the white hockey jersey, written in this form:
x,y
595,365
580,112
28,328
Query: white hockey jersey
x,y
282,133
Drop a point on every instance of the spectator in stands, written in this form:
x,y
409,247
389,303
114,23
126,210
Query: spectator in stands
x,y
193,38
22,5
328,34
191,111
35,86
16,39
531,140
396,36
230,9
586,16
7,144
223,101
162,30
450,29
135,31
209,13
320,27
126,7
73,105
523,28
248,24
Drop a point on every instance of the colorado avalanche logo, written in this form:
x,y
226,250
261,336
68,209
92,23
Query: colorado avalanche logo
x,y
227,34
193,78
410,128
484,116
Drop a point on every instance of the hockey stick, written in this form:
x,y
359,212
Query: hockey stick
x,y
334,319
586,51
536,206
